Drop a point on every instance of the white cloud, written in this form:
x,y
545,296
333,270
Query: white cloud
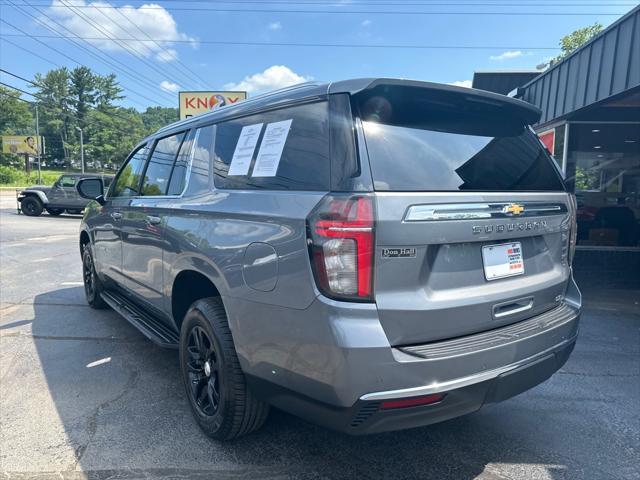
x,y
274,77
168,86
366,23
109,21
508,55
275,26
462,83
167,55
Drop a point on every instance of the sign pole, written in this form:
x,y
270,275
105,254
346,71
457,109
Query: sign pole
x,y
39,140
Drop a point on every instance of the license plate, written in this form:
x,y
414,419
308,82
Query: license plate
x,y
504,260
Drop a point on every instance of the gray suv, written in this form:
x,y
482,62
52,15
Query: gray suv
x,y
370,254
58,198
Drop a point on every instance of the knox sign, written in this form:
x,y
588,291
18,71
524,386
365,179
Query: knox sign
x,y
195,103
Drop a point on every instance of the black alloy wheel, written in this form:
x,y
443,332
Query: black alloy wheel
x,y
220,400
92,284
203,372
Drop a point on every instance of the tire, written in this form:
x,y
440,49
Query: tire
x,y
92,284
54,211
31,206
220,400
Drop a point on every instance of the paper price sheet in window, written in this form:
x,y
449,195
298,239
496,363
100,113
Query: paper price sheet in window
x,y
273,141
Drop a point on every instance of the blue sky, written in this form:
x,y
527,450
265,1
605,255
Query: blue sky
x,y
180,58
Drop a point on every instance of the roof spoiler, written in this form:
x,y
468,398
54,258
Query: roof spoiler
x,y
527,112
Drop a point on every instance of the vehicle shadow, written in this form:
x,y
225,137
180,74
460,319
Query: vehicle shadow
x,y
121,403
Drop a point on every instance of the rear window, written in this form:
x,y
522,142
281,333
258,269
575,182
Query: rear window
x,y
431,144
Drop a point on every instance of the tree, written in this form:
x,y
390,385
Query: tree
x,y
113,134
156,117
82,89
577,38
16,119
56,110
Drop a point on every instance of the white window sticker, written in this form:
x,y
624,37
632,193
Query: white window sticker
x,y
275,135
245,147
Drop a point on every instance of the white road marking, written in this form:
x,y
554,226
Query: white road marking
x,y
99,362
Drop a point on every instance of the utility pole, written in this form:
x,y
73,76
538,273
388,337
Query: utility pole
x,y
39,146
81,149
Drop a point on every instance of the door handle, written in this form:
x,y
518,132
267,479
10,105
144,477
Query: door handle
x,y
116,215
153,220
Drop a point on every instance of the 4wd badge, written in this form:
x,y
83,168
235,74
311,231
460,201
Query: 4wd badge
x,y
402,252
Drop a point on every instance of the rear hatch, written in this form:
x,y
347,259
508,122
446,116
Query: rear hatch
x,y
472,218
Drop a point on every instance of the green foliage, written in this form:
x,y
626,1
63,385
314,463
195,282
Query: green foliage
x,y
79,98
156,117
573,41
14,177
587,179
15,119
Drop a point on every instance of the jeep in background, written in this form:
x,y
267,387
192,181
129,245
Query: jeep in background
x,y
60,197
370,255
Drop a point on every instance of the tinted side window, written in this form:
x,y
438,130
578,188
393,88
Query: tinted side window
x,y
128,179
304,163
156,177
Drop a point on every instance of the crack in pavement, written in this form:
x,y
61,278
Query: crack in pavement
x,y
92,424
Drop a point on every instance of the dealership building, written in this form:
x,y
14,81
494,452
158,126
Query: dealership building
x,y
590,104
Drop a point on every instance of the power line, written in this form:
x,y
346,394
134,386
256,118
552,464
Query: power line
x,y
68,114
29,51
124,70
200,80
65,97
347,12
15,98
332,45
119,26
395,4
124,46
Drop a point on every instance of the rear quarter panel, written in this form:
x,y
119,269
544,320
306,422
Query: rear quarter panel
x,y
210,234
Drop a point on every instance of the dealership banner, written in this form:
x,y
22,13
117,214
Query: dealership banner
x,y
195,103
20,144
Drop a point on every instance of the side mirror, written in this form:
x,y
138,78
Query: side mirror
x,y
91,188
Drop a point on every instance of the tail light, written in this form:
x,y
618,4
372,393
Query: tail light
x,y
341,245
569,232
573,226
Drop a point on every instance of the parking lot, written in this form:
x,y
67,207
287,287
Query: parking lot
x,y
84,395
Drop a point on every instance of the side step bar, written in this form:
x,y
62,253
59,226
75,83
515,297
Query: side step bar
x,y
152,328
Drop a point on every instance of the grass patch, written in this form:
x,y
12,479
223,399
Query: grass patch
x,y
13,177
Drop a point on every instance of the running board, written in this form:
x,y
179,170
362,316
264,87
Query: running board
x,y
149,326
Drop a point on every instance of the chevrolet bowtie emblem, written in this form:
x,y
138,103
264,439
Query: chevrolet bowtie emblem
x,y
513,209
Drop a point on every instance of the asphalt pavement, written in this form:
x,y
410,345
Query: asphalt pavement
x,y
84,395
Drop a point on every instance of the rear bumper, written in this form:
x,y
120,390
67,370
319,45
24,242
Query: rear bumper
x,y
340,376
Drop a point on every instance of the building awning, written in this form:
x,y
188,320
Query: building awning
x,y
599,72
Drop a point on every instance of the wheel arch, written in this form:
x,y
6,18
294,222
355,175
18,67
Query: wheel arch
x,y
189,285
36,193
